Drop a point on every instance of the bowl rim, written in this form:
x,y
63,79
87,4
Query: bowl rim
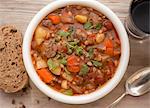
x,y
81,99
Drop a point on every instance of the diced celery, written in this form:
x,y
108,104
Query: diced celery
x,y
56,71
68,92
54,67
67,76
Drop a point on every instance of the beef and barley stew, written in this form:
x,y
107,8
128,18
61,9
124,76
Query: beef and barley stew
x,y
75,50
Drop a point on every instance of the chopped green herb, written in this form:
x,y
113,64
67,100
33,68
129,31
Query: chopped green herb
x,y
73,46
63,61
69,45
79,50
90,52
73,43
69,48
88,25
84,70
98,26
63,33
96,63
68,92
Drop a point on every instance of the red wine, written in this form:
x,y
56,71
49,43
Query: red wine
x,y
140,13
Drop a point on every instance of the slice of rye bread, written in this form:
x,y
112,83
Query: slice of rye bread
x,y
13,76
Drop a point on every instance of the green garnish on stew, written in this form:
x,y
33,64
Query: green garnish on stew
x,y
63,61
84,70
88,25
69,49
73,46
98,26
74,43
67,76
96,63
68,92
79,50
90,52
63,33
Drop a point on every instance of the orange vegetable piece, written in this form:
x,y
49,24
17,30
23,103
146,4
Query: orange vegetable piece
x,y
73,60
55,19
73,68
73,63
45,75
108,43
109,51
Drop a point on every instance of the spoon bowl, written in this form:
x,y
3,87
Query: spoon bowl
x,y
136,85
139,83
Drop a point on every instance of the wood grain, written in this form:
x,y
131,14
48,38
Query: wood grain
x,y
20,12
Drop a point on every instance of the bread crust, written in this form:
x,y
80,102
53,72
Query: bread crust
x,y
13,76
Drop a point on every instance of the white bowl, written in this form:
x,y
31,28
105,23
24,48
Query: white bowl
x,y
81,99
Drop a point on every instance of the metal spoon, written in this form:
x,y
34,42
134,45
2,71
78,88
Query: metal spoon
x,y
136,85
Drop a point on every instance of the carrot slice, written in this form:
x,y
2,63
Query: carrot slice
x,y
54,18
73,60
73,63
108,43
45,75
73,68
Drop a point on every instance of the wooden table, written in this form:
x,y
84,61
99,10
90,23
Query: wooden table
x,y
20,12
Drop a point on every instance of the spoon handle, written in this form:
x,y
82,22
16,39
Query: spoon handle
x,y
117,100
